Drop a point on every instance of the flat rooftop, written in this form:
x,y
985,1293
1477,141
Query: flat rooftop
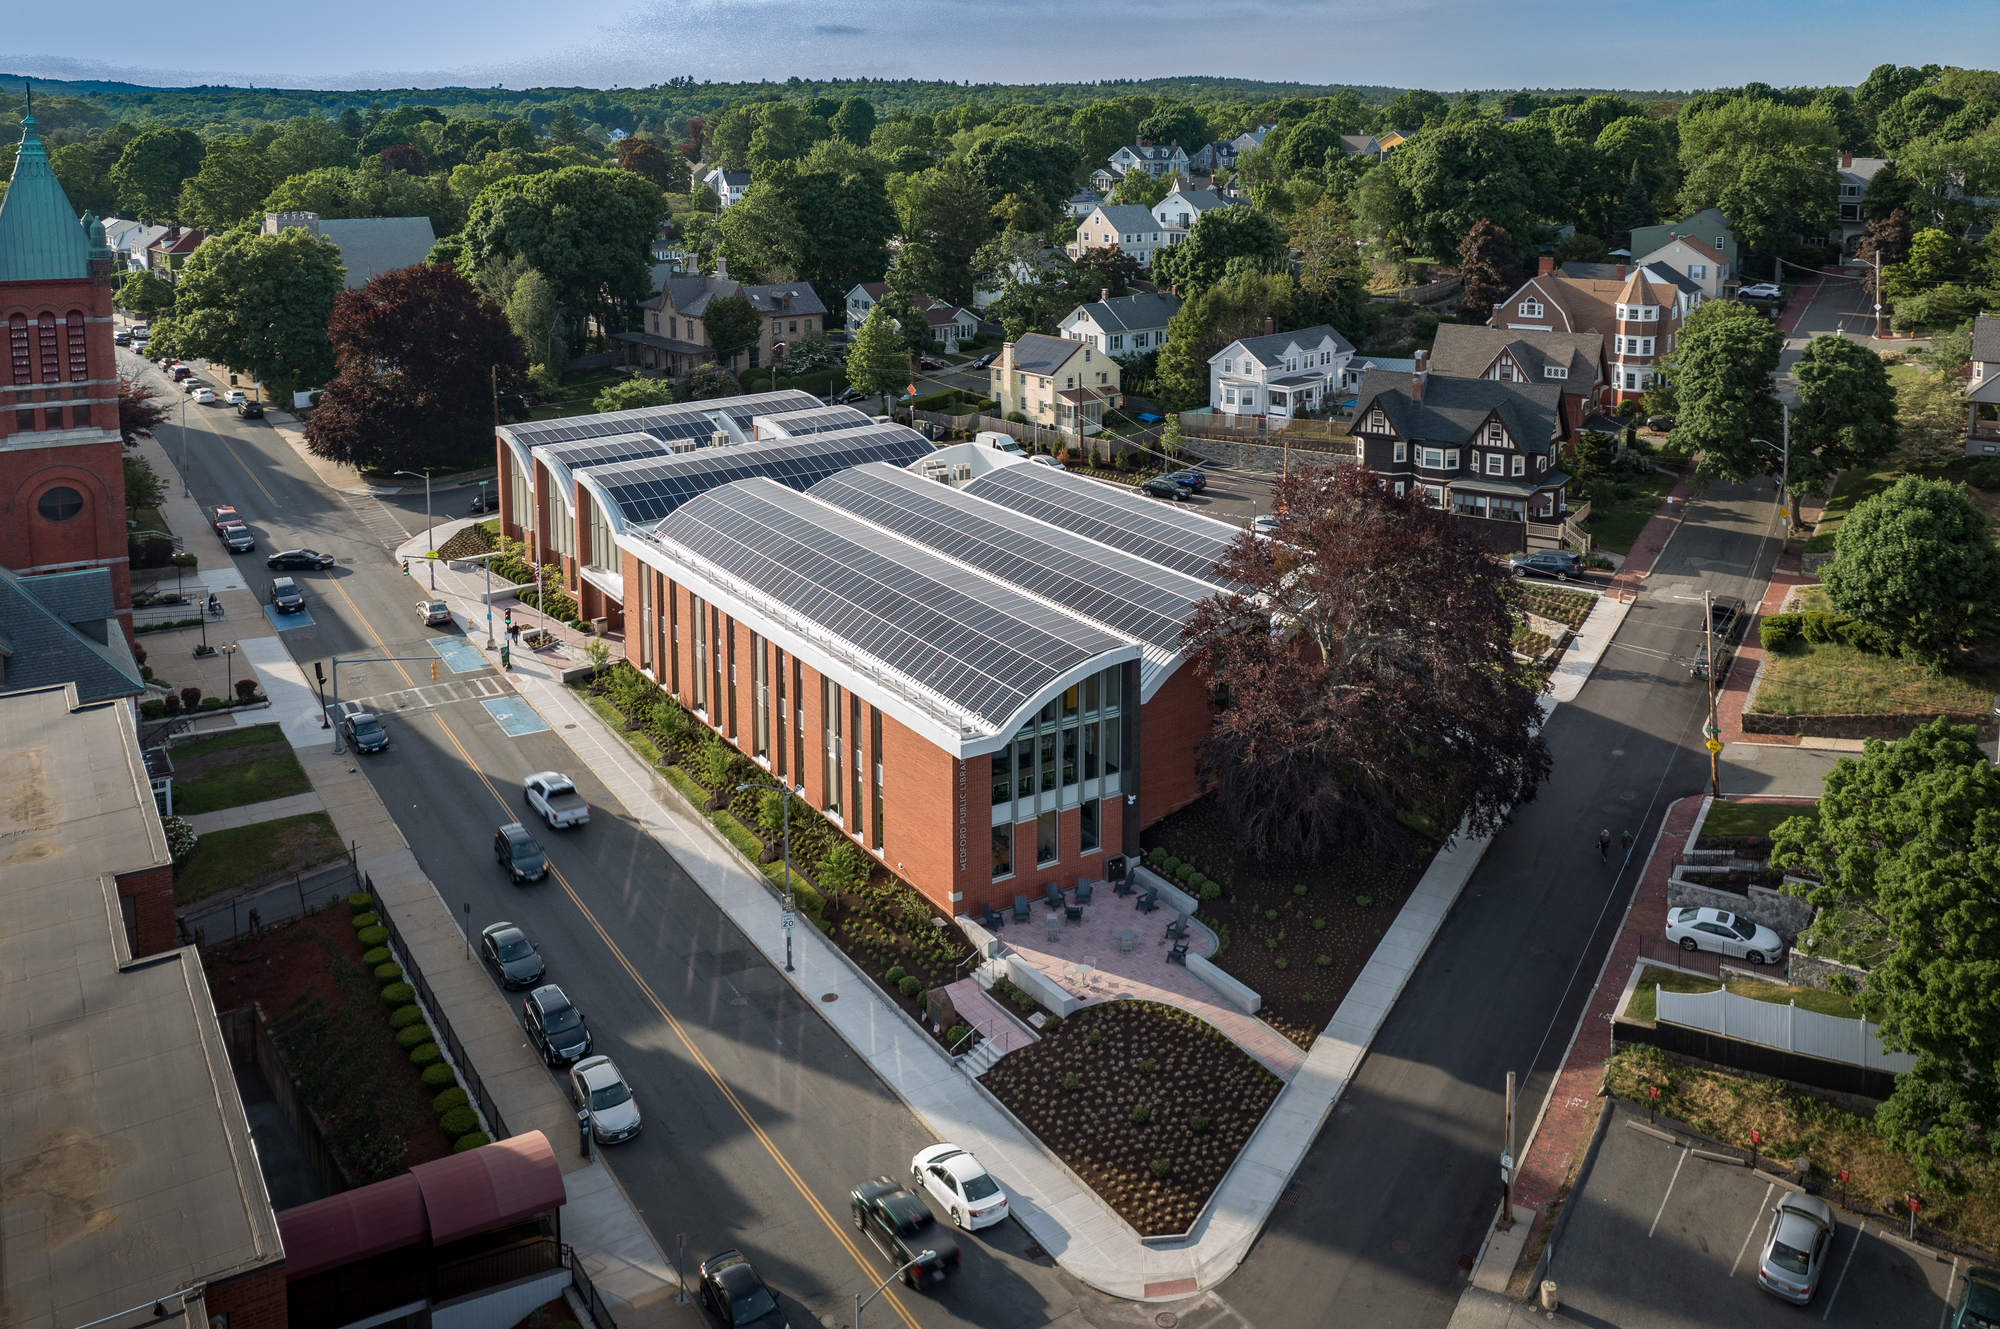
x,y
126,1167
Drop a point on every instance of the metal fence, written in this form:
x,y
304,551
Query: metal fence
x,y
248,916
414,976
592,1301
1808,1033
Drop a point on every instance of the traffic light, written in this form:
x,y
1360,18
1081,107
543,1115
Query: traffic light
x,y
406,567
510,618
434,671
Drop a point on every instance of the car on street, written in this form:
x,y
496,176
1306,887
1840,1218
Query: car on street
x,y
181,372
204,398
1978,1305
193,385
1171,490
1797,1247
236,396
223,518
300,558
984,361
848,398
1265,523
551,794
508,949
121,338
902,1228
434,612
364,730
238,538
1195,480
1762,290
1725,617
954,1178
1699,667
1730,934
482,503
250,410
140,336
931,362
286,597
1049,462
516,851
732,1292
555,1025
601,1091
1560,564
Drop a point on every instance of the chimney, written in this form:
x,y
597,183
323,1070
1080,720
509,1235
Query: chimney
x,y
1103,293
1547,268
1421,373
1621,272
1270,325
722,268
1846,161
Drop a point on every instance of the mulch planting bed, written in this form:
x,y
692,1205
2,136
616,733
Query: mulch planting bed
x,y
1147,1104
1299,933
327,1017
1569,608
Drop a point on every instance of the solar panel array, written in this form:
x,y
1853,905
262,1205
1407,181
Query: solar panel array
x,y
606,451
817,421
1147,527
989,652
681,420
1120,590
648,490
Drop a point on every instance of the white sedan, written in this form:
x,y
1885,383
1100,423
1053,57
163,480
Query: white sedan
x,y
235,397
1763,290
955,1180
204,398
1720,930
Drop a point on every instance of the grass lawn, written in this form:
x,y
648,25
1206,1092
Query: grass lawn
x,y
234,768
1748,818
1852,488
150,519
248,855
1827,679
1614,524
1641,1007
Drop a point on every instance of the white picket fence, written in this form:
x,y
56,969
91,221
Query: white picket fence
x,y
1855,1042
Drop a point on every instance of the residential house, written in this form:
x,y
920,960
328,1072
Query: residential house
x,y
728,185
788,311
864,297
1394,139
1573,361
991,288
1243,142
1361,145
1280,375
1128,325
369,246
1155,159
1181,208
1212,159
1856,173
675,338
1982,389
1695,259
1083,202
1105,179
1483,448
129,241
1709,226
1122,226
1639,314
170,253
1056,382
948,322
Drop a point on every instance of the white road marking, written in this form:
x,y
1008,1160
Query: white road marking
x,y
1755,1219
1669,1195
1949,1285
1858,1230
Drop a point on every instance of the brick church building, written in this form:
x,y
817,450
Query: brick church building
x,y
62,487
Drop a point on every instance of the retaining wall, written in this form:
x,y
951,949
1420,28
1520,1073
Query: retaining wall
x,y
1887,727
1267,457
1813,971
248,1038
1787,915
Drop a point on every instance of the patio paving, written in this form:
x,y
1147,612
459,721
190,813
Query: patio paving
x,y
1085,960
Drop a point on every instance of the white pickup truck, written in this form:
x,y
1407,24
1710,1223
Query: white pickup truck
x,y
551,794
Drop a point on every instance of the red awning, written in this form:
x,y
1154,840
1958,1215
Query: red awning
x,y
490,1187
341,1229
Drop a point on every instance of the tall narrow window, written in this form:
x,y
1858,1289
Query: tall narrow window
x,y
79,358
1111,737
1090,751
645,617
1045,838
784,719
1087,822
698,614
859,758
875,767
1049,762
830,712
1069,755
714,629
799,720
1003,852
1024,768
729,638
1003,775
1114,679
760,715
674,638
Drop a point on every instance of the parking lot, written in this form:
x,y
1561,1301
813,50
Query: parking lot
x,y
1659,1235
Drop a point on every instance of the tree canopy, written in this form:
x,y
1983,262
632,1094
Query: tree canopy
x,y
1916,562
1846,415
1721,379
588,230
260,304
150,171
1217,236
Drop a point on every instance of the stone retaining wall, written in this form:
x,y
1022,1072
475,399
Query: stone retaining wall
x,y
1812,971
1260,457
1784,914
1892,726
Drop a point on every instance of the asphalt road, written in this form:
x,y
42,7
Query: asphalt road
x,y
622,928
1402,1183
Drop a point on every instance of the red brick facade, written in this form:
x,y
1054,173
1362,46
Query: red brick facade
x,y
254,1301
152,894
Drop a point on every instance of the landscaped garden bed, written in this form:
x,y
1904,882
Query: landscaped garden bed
x,y
1149,1105
1568,608
1653,980
1832,676
335,1025
1298,933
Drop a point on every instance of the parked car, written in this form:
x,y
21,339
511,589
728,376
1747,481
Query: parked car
x,y
902,1228
236,396
551,794
848,398
517,852
1978,1306
1560,564
985,361
238,538
1195,480
931,362
364,730
204,398
222,518
140,329
193,385
286,597
250,410
1049,462
482,502
1000,442
1762,290
970,1196
1730,934
1660,424
508,949
181,372
300,558
140,336
1265,523
733,1293
1726,617
1797,1247
434,612
602,1092
1724,658
121,338
1168,489
555,1025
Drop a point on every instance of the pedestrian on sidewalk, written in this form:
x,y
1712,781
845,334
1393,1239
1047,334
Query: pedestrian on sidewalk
x,y
1604,844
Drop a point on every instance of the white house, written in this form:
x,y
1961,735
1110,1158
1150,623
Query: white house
x,y
1280,374
1178,211
1083,202
728,185
1122,226
1128,325
1155,159
1856,174
948,322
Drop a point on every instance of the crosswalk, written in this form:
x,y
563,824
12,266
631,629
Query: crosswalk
x,y
429,696
377,518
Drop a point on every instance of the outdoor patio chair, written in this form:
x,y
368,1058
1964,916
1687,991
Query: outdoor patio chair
x,y
1020,909
1148,902
1054,896
1122,886
991,917
1178,928
1073,912
1083,890
1178,955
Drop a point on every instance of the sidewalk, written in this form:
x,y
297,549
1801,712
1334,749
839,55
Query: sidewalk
x,y
1654,537
251,813
1735,692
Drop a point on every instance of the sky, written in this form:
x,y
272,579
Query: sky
x,y
1446,45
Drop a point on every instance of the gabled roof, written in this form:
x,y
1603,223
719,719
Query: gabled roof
x,y
1692,241
1152,152
732,179
371,246
771,299
1128,313
1353,144
1127,217
1453,409
1465,351
690,293
186,242
1986,338
63,628
1270,349
1197,201
1039,353
41,238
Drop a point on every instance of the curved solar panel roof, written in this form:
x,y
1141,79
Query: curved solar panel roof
x,y
1122,591
680,420
645,491
817,421
1154,530
984,647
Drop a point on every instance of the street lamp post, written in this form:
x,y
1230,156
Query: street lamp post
x,y
489,572
861,1302
1784,452
786,823
429,549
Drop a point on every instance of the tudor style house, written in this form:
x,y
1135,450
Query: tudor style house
x,y
1638,313
1056,382
1128,325
1280,375
1126,227
1483,448
1572,361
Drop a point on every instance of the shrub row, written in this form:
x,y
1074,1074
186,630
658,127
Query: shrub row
x,y
452,1104
1185,873
1779,631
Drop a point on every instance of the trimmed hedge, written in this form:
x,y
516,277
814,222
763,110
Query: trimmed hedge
x,y
449,1099
398,994
472,1141
426,1054
380,955
367,920
405,1016
458,1121
439,1076
374,936
388,973
359,901
413,1035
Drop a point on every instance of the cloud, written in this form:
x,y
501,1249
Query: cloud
x,y
838,30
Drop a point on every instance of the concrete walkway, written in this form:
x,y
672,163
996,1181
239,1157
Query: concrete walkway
x,y
999,1031
251,813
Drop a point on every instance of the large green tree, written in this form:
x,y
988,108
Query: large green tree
x,y
1102,128
1175,121
854,121
587,229
260,303
1917,562
732,325
308,143
1721,383
1462,174
1044,170
946,211
1332,269
150,171
1234,307
339,192
1846,415
1905,849
878,363
1770,168
230,186
146,294
1217,236
84,168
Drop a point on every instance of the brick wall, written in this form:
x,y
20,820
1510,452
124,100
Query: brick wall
x,y
152,896
1171,727
254,1301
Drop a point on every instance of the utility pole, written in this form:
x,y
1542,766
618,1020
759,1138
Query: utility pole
x,y
1714,731
1507,1164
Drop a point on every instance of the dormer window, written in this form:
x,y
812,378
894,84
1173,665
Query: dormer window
x,y
1495,435
1553,371
1506,372
1531,309
1377,423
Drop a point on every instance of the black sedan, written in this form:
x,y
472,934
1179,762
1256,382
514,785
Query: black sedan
x,y
518,853
508,950
904,1230
250,410
1173,490
555,1025
734,1294
364,731
300,558
1725,616
285,596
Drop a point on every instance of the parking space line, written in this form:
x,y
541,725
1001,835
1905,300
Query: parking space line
x,y
1945,1314
1754,1220
1858,1231
1670,1193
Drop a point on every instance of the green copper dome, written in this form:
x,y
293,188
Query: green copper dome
x,y
40,236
